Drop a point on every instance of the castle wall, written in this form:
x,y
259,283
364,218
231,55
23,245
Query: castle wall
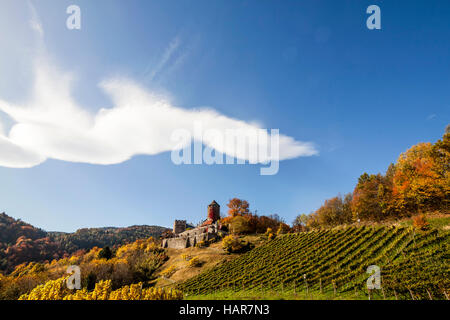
x,y
176,243
191,237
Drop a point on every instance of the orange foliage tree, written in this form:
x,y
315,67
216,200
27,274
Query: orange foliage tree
x,y
238,207
421,180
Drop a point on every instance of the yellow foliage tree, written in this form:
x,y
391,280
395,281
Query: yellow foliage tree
x,y
57,290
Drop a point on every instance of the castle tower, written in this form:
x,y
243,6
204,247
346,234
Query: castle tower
x,y
213,212
179,226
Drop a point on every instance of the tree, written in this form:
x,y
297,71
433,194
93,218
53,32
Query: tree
x,y
283,228
300,221
238,207
240,225
105,253
346,215
371,198
421,180
275,217
333,212
264,222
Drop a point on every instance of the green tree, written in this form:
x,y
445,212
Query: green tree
x,y
240,225
105,253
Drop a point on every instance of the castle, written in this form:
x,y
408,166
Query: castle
x,y
205,231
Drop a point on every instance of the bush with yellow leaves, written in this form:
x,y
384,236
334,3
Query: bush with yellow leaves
x,y
186,257
232,244
169,271
51,290
57,290
194,262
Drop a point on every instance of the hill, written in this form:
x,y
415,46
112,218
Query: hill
x,y
411,263
101,237
21,242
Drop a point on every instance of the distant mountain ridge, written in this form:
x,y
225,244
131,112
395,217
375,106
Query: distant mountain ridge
x,y
21,242
107,236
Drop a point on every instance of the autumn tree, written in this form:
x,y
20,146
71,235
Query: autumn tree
x,y
421,180
371,197
300,222
238,207
334,211
265,222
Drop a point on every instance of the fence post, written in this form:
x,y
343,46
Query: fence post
x,y
294,288
395,294
410,292
334,288
429,294
445,293
320,283
368,290
382,290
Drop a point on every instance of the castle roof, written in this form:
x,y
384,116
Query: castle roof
x,y
214,203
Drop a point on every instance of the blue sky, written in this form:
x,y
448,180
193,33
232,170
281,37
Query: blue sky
x,y
310,68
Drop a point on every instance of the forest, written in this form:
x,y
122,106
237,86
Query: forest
x,y
21,242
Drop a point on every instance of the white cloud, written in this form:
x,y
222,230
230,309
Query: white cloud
x,y
170,50
35,22
52,125
14,156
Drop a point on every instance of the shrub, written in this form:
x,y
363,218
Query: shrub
x,y
202,244
231,244
194,262
169,271
186,257
420,222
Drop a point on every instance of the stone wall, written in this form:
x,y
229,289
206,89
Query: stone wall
x,y
190,238
176,243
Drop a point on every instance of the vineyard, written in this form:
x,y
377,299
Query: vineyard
x,y
414,264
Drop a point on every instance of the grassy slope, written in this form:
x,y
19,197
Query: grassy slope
x,y
210,257
416,261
